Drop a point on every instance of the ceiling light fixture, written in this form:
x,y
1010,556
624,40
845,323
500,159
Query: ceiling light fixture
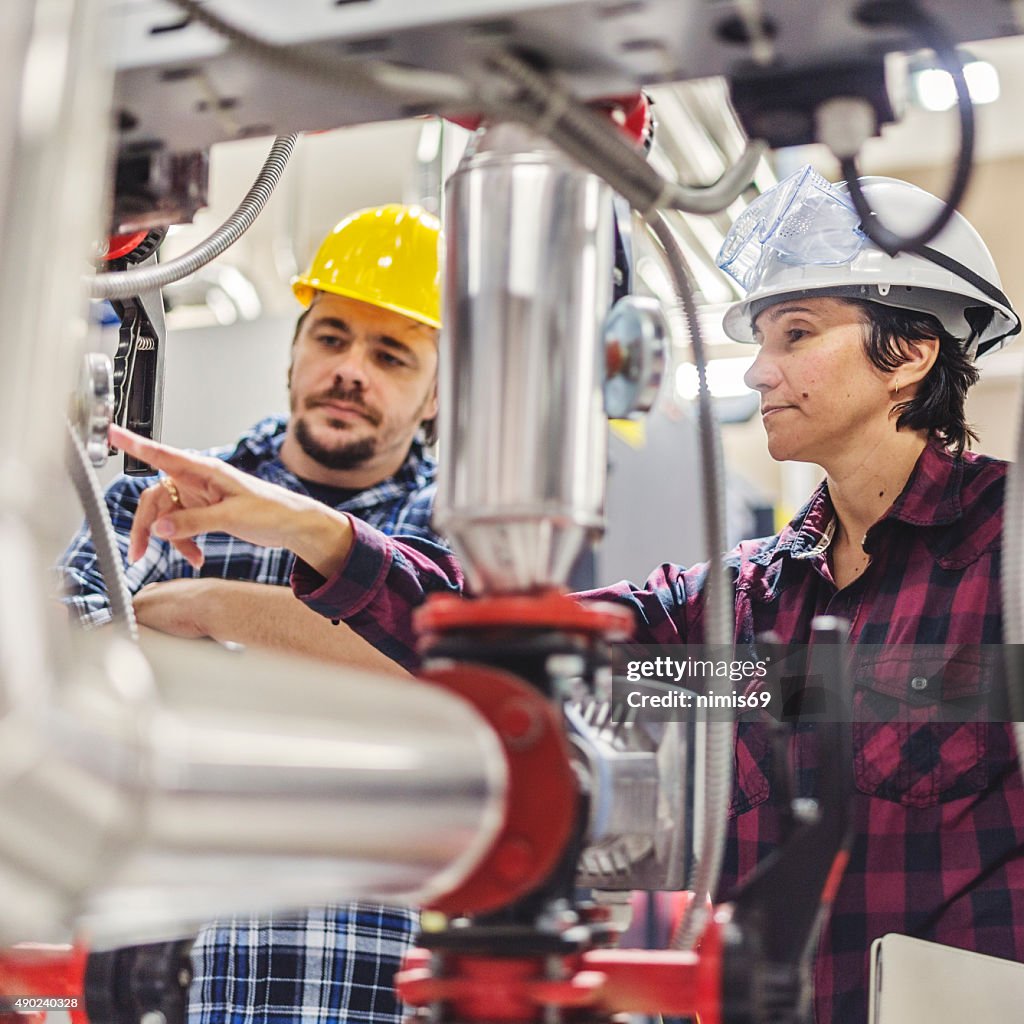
x,y
933,87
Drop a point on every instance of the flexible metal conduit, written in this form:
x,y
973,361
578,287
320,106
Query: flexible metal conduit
x,y
108,554
587,135
718,618
124,284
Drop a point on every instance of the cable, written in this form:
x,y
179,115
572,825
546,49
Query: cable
x,y
538,102
108,554
412,85
718,616
935,36
402,83
126,283
586,135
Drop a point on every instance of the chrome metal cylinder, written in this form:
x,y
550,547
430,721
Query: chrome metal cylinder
x,y
54,111
530,241
239,783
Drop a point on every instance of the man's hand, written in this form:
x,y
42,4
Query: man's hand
x,y
178,607
207,495
256,615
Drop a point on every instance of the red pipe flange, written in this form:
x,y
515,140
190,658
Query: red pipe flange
x,y
446,613
542,795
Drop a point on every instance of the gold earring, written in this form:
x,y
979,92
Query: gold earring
x,y
896,393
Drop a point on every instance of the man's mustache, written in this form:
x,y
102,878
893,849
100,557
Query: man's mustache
x,y
350,396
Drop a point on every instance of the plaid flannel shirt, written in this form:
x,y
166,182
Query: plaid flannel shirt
x,y
939,810
336,963
403,504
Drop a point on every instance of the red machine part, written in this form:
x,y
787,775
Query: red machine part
x,y
121,245
604,981
541,800
44,972
446,613
631,114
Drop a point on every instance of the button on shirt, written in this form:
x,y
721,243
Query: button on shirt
x,y
939,845
336,963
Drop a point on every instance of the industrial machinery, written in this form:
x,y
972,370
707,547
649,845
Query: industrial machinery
x,y
142,795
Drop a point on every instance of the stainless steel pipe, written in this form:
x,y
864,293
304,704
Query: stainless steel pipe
x,y
530,238
237,783
132,807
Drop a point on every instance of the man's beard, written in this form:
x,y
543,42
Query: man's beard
x,y
346,455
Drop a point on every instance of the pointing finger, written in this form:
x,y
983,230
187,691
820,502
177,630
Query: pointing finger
x,y
190,551
186,468
152,452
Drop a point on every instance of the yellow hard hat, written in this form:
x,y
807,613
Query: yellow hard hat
x,y
386,256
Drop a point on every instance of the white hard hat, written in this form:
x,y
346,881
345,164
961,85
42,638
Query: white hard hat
x,y
802,237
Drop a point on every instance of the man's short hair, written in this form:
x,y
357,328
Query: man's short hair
x,y
938,406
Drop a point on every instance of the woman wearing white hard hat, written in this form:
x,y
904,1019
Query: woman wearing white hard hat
x,y
863,365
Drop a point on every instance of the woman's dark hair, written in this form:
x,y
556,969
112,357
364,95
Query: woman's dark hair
x,y
938,406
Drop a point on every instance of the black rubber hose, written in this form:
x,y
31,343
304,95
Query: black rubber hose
x,y
934,35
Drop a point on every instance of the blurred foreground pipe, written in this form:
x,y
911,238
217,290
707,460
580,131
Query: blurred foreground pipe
x,y
139,807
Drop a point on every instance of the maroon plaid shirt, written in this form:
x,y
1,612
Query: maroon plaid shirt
x,y
939,847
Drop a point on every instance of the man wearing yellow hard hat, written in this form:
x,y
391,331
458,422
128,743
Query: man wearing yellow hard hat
x,y
374,303
362,397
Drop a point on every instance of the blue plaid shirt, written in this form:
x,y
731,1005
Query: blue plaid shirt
x,y
336,963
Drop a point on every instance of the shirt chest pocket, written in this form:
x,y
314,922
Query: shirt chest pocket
x,y
922,722
753,765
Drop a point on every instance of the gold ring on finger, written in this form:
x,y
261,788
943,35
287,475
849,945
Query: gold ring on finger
x,y
172,489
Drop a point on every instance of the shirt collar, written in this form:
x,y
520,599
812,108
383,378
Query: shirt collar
x,y
931,497
808,533
932,494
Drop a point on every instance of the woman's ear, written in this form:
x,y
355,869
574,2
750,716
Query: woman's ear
x,y
918,358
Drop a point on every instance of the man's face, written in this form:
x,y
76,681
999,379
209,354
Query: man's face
x,y
821,397
361,380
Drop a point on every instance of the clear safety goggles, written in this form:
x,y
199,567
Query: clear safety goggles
x,y
804,220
